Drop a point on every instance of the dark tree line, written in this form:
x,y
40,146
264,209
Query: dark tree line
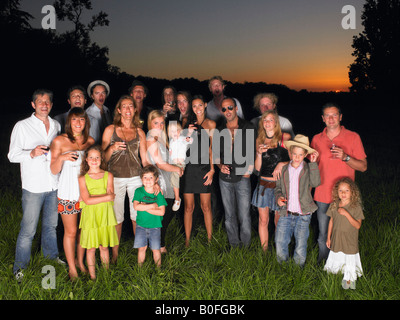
x,y
34,58
377,49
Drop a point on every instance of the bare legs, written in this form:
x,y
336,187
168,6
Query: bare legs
x,y
115,249
142,256
263,220
70,222
205,203
118,227
91,260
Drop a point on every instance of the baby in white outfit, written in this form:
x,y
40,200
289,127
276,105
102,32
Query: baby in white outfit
x,y
178,146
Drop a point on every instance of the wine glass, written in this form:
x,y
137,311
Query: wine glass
x,y
47,149
333,155
228,175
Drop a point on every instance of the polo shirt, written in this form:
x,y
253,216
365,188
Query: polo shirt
x,y
332,170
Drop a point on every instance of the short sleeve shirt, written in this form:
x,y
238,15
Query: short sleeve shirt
x,y
344,235
145,219
332,170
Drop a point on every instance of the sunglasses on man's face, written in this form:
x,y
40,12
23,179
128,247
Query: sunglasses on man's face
x,y
230,108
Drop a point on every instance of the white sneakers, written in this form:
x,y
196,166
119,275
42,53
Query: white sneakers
x,y
177,205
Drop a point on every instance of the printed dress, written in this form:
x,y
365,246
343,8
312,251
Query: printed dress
x,y
98,220
68,186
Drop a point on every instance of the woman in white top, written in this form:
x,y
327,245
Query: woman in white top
x,y
66,156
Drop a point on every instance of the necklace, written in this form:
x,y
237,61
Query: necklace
x,y
266,135
232,131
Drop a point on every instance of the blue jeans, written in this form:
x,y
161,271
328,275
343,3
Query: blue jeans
x,y
236,199
32,204
285,229
147,237
323,222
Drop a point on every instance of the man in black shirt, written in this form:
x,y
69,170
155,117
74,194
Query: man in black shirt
x,y
234,150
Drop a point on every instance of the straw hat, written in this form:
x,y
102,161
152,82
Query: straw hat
x,y
299,141
97,82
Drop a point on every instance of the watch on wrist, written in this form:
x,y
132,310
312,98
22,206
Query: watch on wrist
x,y
346,159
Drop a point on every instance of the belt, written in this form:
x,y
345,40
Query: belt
x,y
266,184
296,214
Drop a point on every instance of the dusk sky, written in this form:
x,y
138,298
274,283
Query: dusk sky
x,y
300,44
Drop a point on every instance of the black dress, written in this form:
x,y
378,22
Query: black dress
x,y
199,164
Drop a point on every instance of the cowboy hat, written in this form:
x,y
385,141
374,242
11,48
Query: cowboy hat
x,y
98,82
299,141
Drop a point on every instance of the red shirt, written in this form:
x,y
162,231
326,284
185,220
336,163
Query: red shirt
x,y
332,170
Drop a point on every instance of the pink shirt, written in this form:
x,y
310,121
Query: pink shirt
x,y
293,198
332,170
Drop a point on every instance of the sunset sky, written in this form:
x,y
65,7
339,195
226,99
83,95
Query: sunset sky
x,y
300,43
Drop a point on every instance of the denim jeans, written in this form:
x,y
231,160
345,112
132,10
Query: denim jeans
x,y
285,229
32,204
236,197
147,237
323,222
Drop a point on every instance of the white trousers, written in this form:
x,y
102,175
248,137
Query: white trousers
x,y
121,187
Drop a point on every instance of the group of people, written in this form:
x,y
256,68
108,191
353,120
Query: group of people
x,y
82,164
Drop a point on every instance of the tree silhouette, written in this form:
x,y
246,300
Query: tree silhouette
x,y
12,17
72,10
377,48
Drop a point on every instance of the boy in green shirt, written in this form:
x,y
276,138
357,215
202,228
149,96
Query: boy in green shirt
x,y
150,209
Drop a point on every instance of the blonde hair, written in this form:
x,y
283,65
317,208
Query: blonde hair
x,y
277,132
271,96
219,78
355,197
173,124
157,114
117,116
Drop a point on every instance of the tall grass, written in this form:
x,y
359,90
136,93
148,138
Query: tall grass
x,y
215,271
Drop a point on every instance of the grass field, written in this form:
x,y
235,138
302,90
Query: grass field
x,y
214,271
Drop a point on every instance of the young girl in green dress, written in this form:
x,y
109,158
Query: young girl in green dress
x,y
98,218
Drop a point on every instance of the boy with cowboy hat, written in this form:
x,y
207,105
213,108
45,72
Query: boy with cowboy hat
x,y
293,195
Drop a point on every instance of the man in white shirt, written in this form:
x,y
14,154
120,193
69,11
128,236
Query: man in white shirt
x,y
29,141
99,115
217,86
